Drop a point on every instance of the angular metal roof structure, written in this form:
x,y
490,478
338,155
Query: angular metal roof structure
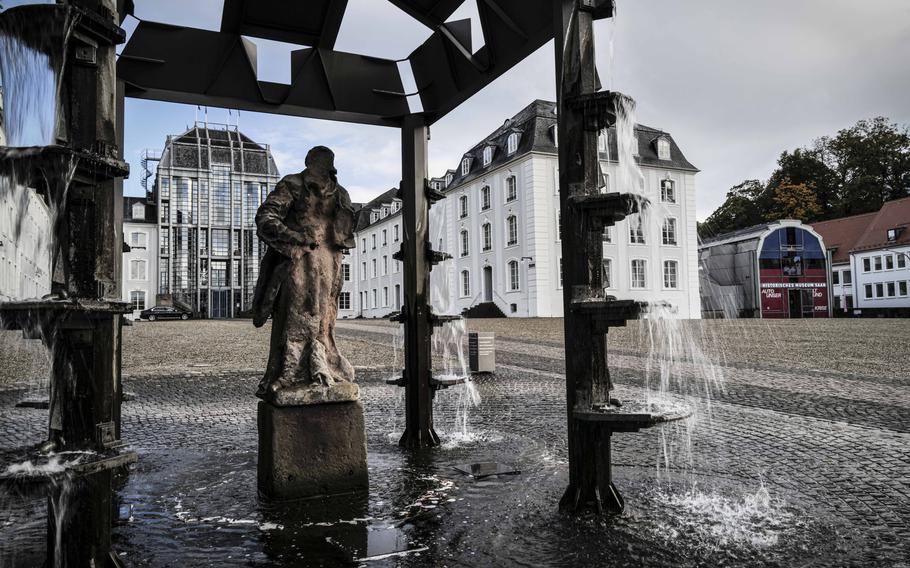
x,y
186,65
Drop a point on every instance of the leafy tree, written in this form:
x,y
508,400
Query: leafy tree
x,y
793,201
738,211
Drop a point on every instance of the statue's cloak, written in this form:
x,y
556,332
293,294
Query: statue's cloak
x,y
276,220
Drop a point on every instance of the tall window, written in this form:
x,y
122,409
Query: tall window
x,y
848,277
868,291
375,303
251,196
667,191
513,275
395,236
877,262
636,231
639,276
485,197
138,240
465,283
165,242
867,265
465,243
219,274
385,237
465,166
901,260
608,234
137,300
373,239
385,264
512,143
463,206
487,155
511,188
671,274
835,277
221,242
385,296
164,186
889,262
165,212
487,232
363,242
344,301
363,270
346,272
902,288
669,231
607,273
663,149
512,228
138,270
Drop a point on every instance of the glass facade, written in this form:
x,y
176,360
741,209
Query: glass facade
x,y
210,253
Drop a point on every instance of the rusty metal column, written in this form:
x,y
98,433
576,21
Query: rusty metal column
x,y
587,378
418,431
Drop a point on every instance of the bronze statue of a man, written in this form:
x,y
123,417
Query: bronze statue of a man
x,y
308,222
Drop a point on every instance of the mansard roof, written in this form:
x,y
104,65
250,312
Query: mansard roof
x,y
363,214
535,122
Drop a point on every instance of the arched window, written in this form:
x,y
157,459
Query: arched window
x,y
511,188
465,283
512,142
465,243
514,281
463,206
465,166
487,233
484,198
512,228
487,155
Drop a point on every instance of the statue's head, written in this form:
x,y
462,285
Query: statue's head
x,y
321,159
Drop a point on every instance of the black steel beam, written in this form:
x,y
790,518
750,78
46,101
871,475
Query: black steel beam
x,y
419,432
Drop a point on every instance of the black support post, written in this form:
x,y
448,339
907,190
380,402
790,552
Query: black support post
x,y
418,431
587,378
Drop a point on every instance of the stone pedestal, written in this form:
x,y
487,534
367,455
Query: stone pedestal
x,y
311,450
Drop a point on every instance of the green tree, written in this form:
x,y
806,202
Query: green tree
x,y
738,211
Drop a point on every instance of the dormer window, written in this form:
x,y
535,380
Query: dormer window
x,y
663,149
465,166
374,216
554,135
512,142
448,179
487,155
894,233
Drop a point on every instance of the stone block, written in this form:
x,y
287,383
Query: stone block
x,y
311,450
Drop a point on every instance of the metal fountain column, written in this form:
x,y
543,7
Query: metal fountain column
x,y
587,376
416,313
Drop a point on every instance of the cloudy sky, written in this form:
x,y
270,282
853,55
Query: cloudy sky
x,y
734,82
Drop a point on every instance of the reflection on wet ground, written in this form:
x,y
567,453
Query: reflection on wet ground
x,y
191,498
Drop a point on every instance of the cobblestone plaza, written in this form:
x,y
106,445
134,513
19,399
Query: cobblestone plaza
x,y
813,412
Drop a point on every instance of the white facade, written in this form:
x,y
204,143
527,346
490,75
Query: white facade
x,y
842,288
882,278
25,245
500,223
376,286
490,272
140,264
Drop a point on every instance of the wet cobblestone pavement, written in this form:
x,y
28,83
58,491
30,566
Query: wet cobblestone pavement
x,y
788,467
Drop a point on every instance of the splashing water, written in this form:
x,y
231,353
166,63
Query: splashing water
x,y
714,521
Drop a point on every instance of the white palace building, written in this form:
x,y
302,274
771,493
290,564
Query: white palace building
x,y
500,222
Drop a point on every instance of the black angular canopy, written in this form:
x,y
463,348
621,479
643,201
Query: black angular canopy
x,y
187,65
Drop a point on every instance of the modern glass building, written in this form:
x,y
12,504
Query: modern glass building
x,y
211,180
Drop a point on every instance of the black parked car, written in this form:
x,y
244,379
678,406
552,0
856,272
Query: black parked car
x,y
164,312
